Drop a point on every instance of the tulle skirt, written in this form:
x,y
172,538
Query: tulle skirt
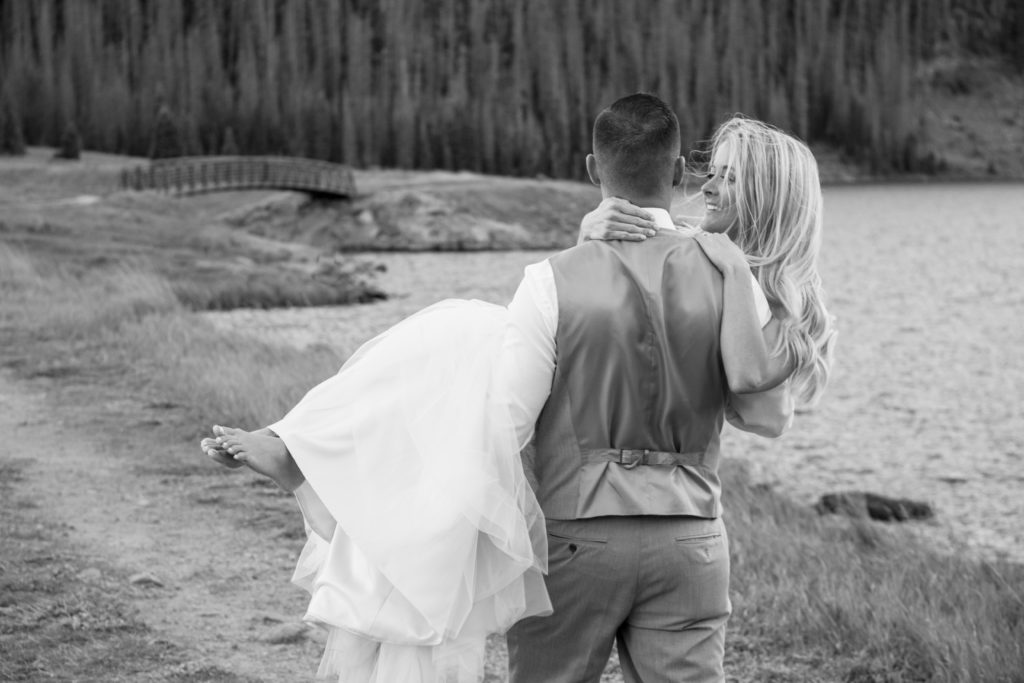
x,y
439,538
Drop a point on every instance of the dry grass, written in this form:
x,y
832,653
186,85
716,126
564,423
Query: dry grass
x,y
135,315
240,381
50,298
871,596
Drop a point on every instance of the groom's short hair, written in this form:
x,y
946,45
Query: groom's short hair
x,y
636,143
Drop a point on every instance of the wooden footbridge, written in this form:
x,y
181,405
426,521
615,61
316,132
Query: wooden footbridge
x,y
191,175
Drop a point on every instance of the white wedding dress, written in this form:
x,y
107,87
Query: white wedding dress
x,y
439,539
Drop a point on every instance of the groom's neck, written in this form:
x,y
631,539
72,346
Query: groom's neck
x,y
654,200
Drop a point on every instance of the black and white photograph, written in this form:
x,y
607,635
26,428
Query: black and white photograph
x,y
512,341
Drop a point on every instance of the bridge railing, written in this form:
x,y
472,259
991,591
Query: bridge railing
x,y
188,175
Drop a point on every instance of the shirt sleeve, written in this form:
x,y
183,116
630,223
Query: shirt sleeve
x,y
767,413
527,363
764,311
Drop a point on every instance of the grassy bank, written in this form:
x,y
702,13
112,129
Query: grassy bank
x,y
72,216
140,322
814,598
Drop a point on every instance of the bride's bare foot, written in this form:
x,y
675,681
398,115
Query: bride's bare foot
x,y
217,453
262,453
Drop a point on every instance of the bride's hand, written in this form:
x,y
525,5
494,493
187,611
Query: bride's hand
x,y
616,219
722,252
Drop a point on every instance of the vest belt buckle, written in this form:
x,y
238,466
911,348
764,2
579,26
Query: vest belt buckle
x,y
631,458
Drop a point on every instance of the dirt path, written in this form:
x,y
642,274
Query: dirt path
x,y
144,522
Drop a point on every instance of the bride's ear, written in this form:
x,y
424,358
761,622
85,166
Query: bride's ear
x,y
595,176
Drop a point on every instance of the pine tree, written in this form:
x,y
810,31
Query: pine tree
x,y
229,147
70,143
166,138
11,139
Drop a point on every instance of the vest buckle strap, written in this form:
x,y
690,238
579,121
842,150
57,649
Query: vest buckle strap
x,y
630,458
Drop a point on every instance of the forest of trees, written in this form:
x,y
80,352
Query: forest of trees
x,y
498,86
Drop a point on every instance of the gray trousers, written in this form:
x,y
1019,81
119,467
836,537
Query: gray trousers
x,y
657,586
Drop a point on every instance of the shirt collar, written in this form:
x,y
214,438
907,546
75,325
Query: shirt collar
x,y
662,219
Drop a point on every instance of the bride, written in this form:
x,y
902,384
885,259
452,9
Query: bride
x,y
423,534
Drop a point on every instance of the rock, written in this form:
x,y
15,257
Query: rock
x,y
272,619
280,206
145,580
91,574
864,504
285,633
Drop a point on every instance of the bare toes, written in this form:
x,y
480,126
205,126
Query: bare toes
x,y
223,431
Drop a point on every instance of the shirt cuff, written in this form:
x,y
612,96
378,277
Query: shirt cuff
x,y
764,311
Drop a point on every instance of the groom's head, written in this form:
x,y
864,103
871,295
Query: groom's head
x,y
636,149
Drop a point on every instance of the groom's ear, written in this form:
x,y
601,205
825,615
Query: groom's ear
x,y
595,177
678,171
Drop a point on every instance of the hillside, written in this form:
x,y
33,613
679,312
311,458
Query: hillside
x,y
973,117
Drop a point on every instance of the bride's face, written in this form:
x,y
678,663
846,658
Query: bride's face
x,y
719,192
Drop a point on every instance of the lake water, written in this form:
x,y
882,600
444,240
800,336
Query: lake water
x,y
926,399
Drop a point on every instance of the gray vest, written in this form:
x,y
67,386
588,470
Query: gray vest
x,y
637,402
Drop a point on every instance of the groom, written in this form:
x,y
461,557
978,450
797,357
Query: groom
x,y
615,345
613,368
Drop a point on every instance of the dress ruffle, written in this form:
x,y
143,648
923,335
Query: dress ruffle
x,y
440,540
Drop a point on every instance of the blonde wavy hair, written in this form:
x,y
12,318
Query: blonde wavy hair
x,y
779,205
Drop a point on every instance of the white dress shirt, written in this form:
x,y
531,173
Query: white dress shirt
x,y
527,365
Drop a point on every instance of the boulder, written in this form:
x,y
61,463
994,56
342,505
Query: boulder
x,y
873,506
